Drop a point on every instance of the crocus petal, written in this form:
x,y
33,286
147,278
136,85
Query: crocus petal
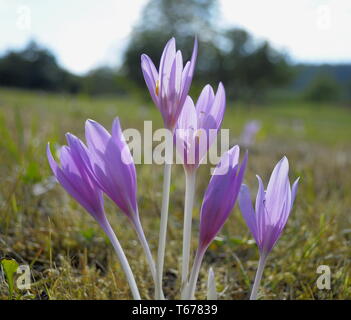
x,y
185,130
276,189
188,74
118,138
175,76
204,104
261,211
200,137
294,190
78,149
127,162
218,106
228,161
112,173
78,186
174,88
187,118
246,208
97,136
150,76
184,134
219,197
166,62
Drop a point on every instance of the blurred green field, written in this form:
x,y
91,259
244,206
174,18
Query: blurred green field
x,y
70,257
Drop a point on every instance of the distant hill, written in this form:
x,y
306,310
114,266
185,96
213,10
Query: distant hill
x,y
307,73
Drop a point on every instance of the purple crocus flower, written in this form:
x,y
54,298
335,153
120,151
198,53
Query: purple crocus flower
x,y
75,177
112,166
195,132
197,127
271,213
169,86
273,207
221,195
219,200
249,133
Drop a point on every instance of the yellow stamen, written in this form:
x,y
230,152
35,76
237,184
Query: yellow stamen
x,y
197,135
157,87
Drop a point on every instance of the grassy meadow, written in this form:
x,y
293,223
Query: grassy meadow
x,y
71,258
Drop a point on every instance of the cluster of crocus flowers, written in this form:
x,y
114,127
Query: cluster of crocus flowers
x,y
104,165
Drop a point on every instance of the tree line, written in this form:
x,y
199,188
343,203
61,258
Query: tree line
x,y
249,68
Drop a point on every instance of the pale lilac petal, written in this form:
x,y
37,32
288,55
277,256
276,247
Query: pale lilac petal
x,y
184,133
247,209
67,163
260,195
185,74
228,160
127,163
166,62
220,197
78,149
218,106
204,104
294,190
54,167
116,178
261,211
96,135
188,74
76,185
175,87
178,64
173,107
276,188
187,118
210,111
150,76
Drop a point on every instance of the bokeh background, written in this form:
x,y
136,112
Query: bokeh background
x,y
286,67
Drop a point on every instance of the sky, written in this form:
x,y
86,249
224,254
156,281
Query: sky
x,y
85,34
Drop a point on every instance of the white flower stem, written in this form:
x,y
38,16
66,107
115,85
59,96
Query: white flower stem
x,y
122,258
190,179
259,272
145,245
163,229
194,274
